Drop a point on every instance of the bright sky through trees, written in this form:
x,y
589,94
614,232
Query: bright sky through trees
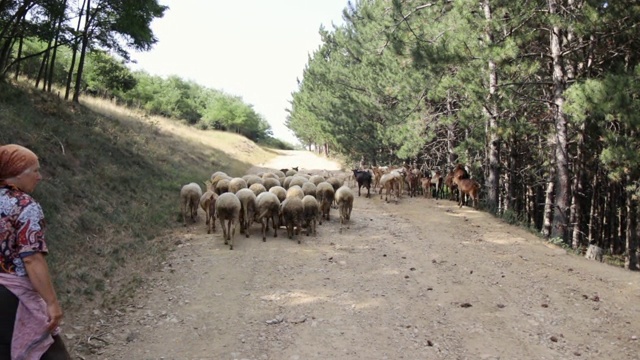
x,y
251,48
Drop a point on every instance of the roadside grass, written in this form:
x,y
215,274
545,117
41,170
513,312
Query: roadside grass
x,y
112,179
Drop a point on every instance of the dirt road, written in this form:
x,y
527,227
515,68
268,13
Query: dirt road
x,y
420,279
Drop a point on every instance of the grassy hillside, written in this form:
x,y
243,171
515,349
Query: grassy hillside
x,y
111,185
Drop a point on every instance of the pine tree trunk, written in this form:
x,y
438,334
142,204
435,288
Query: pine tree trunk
x,y
578,194
560,213
594,215
547,217
493,178
631,252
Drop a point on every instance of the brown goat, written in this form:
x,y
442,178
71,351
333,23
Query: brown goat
x,y
469,187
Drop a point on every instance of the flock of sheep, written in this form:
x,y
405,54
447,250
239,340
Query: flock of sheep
x,y
273,198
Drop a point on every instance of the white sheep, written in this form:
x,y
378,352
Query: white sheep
x,y
280,192
257,188
309,188
268,207
189,200
316,179
270,182
344,199
247,213
298,180
228,208
295,191
325,195
236,184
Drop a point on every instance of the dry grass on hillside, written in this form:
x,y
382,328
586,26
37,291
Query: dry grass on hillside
x,y
235,146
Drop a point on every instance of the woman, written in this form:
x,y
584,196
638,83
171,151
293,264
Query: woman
x,y
29,309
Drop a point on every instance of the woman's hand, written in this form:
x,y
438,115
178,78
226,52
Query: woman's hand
x,y
55,316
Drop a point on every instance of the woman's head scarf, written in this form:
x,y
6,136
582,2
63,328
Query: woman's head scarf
x,y
14,160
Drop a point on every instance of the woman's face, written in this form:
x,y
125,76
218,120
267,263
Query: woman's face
x,y
29,179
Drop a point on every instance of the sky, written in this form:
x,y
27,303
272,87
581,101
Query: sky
x,y
255,49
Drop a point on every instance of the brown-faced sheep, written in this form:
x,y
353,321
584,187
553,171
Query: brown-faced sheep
x,y
310,213
344,198
208,204
291,211
189,200
248,209
228,208
268,208
325,195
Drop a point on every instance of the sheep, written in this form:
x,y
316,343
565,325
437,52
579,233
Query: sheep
x,y
236,184
310,213
325,195
295,191
335,182
208,204
253,179
228,208
298,180
344,198
280,192
291,211
316,179
222,186
291,172
309,188
270,182
247,212
270,175
286,182
257,188
218,173
268,207
189,200
217,178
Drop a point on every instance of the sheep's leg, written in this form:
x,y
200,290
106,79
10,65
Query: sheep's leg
x,y
264,228
232,232
224,231
275,228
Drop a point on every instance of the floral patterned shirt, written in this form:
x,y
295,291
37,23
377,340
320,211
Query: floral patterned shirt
x,y
22,228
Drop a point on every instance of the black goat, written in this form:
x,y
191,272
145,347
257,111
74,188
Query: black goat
x,y
364,180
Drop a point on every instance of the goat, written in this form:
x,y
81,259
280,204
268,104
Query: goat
x,y
364,180
437,181
467,186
